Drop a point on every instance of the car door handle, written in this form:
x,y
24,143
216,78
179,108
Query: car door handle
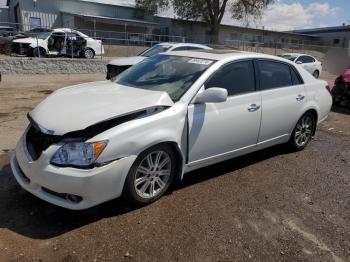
x,y
253,107
300,97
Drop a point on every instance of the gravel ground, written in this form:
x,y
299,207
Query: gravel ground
x,y
272,205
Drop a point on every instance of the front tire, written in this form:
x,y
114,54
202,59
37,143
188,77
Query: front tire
x,y
151,175
302,133
38,52
88,53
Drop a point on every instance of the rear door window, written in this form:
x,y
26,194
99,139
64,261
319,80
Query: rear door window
x,y
306,59
194,48
274,75
236,78
296,79
180,48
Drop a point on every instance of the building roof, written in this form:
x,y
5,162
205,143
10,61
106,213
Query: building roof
x,y
128,3
113,19
314,31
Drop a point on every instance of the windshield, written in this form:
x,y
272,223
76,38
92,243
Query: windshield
x,y
289,57
155,50
43,35
171,74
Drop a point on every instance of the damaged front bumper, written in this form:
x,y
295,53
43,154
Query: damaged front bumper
x,y
68,187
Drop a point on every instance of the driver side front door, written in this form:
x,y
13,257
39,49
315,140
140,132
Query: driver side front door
x,y
219,131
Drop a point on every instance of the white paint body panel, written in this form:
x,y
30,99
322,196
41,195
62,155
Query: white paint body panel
x,y
212,127
93,103
203,133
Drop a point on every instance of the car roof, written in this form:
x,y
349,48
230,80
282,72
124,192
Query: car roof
x,y
295,54
184,44
221,54
65,30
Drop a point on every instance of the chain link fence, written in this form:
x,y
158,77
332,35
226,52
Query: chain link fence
x,y
88,43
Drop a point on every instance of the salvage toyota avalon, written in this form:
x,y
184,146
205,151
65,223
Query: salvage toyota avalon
x,y
166,116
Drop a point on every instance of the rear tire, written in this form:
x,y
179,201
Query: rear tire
x,y
316,74
302,133
151,175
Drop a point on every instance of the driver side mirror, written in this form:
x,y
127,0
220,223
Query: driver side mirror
x,y
299,62
211,95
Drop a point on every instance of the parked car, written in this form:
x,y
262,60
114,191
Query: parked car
x,y
7,34
59,42
310,63
341,89
6,31
169,114
116,66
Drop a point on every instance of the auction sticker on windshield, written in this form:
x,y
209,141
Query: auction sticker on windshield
x,y
200,61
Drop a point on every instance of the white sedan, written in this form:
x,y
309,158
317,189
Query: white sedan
x,y
308,62
59,42
116,66
168,115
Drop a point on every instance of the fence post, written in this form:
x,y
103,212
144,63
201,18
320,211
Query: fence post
x,y
71,40
275,48
37,45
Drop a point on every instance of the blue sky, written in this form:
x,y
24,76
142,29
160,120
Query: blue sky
x,y
297,14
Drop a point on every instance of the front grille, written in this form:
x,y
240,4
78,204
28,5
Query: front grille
x,y
60,195
37,142
64,196
113,70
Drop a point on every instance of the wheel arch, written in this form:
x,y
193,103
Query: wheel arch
x,y
40,48
91,48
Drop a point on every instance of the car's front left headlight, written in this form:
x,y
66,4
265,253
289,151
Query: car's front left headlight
x,y
78,154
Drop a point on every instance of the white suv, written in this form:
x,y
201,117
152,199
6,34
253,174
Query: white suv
x,y
308,62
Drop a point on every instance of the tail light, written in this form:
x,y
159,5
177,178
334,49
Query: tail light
x,y
329,89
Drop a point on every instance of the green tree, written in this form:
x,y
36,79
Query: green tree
x,y
209,11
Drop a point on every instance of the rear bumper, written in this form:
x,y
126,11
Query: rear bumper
x,y
52,183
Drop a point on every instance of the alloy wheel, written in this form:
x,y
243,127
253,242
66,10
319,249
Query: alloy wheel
x,y
303,131
88,54
153,174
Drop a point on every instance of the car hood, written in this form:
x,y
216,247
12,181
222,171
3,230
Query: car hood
x,y
78,107
127,61
27,40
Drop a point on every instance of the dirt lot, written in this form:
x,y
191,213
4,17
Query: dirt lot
x,y
272,205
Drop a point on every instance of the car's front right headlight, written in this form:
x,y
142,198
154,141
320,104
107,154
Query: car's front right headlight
x,y
78,154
